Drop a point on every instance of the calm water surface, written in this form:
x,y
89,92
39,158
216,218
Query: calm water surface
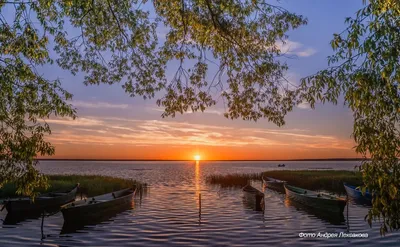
x,y
168,214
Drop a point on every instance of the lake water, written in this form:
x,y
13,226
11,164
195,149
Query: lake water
x,y
168,214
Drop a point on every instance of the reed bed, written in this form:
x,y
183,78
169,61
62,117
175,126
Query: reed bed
x,y
233,180
92,185
330,180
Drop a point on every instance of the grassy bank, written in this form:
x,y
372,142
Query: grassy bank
x,y
309,179
318,180
92,185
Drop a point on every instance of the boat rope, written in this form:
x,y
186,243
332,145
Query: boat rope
x,y
41,228
51,214
44,214
347,205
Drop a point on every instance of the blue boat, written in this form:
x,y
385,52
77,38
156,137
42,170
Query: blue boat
x,y
355,193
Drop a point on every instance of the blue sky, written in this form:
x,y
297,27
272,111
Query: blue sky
x,y
110,124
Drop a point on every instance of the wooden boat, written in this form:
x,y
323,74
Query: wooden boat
x,y
98,206
18,217
254,197
314,199
44,202
274,184
73,226
333,218
355,193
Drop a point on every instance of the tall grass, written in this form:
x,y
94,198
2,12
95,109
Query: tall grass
x,y
330,180
92,185
309,179
233,180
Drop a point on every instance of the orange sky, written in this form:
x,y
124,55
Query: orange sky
x,y
68,151
119,138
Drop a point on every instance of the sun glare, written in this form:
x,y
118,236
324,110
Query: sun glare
x,y
197,157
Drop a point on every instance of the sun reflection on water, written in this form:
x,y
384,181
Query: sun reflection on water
x,y
197,178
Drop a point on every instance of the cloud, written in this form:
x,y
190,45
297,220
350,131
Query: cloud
x,y
293,80
295,48
85,104
76,122
119,131
92,130
306,53
214,111
207,111
304,106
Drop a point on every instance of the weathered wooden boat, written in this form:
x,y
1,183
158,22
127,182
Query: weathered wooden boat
x,y
44,202
356,194
314,199
72,226
98,206
254,197
274,184
333,218
18,217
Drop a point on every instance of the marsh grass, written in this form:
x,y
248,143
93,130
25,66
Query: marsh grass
x,y
329,180
233,180
92,185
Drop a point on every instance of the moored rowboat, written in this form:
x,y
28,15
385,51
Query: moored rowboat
x,y
334,218
355,193
254,196
41,203
97,206
316,199
274,184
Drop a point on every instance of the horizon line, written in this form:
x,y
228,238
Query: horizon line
x,y
325,159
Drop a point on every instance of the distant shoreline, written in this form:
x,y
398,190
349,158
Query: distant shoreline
x,y
332,159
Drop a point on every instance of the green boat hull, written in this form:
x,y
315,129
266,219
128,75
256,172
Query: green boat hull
x,y
315,200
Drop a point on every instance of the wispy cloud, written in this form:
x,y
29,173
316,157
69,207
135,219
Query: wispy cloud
x,y
76,122
207,111
110,131
304,106
305,53
98,104
295,48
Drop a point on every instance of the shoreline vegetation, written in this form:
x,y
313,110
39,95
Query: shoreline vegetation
x,y
91,185
329,180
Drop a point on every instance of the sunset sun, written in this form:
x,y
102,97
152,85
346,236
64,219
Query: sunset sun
x,y
197,157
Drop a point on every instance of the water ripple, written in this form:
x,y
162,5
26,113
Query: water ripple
x,y
169,213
